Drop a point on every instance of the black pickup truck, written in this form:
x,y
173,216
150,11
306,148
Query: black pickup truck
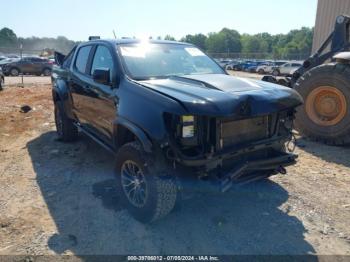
x,y
168,111
2,79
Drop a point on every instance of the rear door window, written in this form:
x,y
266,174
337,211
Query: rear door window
x,y
82,58
68,59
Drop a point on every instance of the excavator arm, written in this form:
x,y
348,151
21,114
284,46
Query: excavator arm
x,y
338,41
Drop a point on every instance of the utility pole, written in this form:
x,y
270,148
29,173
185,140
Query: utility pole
x,y
21,55
228,49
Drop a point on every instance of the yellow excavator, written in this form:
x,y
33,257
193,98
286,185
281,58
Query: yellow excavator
x,y
324,83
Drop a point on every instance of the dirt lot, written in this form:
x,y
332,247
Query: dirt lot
x,y
58,198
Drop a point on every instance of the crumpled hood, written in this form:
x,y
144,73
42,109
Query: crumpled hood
x,y
225,95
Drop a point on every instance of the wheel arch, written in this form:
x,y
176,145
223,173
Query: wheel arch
x,y
125,131
59,90
60,95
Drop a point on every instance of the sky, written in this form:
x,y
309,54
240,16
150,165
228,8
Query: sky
x,y
77,19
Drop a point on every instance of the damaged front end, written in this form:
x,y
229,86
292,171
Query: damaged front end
x,y
231,149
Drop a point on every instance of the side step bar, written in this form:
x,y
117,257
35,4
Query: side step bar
x,y
97,140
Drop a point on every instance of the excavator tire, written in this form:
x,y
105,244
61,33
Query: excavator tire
x,y
325,115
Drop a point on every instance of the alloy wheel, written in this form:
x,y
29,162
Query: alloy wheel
x,y
134,183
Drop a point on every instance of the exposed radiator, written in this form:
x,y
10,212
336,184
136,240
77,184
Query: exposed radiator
x,y
240,132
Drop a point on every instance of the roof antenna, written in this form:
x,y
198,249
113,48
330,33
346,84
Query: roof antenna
x,y
115,36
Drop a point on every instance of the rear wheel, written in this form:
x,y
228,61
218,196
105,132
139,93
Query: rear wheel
x,y
66,130
47,72
325,115
147,192
261,71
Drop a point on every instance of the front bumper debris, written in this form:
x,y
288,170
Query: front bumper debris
x,y
239,171
228,153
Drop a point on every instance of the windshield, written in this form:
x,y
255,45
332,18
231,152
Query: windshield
x,y
9,60
147,60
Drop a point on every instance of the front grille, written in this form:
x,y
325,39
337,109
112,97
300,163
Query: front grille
x,y
241,132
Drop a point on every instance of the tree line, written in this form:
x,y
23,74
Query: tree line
x,y
9,42
296,44
227,42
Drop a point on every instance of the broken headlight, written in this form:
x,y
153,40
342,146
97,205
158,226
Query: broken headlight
x,y
286,122
188,126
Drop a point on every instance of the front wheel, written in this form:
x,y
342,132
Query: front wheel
x,y
147,192
14,72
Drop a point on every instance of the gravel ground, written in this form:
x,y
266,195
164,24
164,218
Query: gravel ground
x,y
58,198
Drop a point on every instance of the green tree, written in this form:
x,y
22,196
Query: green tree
x,y
226,40
7,37
297,44
197,40
169,38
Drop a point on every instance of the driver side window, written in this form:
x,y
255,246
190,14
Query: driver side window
x,y
103,59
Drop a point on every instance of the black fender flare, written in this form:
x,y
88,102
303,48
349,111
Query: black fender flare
x,y
60,95
138,132
60,88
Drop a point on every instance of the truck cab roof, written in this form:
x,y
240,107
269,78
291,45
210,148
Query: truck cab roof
x,y
134,41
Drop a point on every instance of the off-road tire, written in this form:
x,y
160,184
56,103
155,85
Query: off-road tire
x,y
161,187
66,130
338,76
14,71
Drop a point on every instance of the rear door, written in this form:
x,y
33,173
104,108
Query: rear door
x,y
79,85
38,65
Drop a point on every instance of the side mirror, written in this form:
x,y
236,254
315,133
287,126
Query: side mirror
x,y
102,76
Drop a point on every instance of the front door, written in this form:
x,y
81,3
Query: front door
x,y
103,101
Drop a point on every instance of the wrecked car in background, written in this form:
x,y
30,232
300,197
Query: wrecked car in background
x,y
169,112
28,65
